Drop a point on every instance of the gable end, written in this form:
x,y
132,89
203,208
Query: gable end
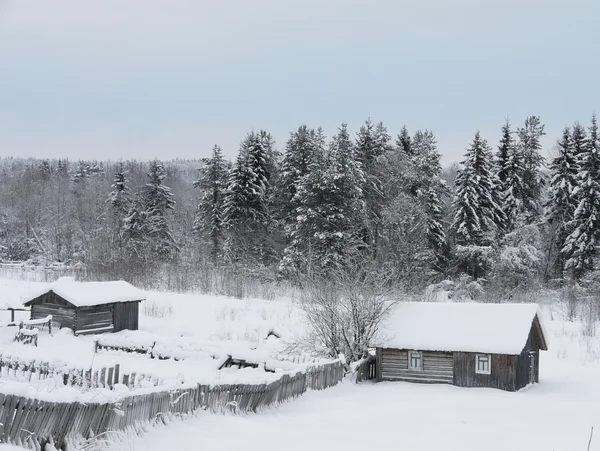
x,y
538,332
50,297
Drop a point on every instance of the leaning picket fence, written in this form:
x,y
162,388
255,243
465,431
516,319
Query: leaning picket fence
x,y
32,423
23,370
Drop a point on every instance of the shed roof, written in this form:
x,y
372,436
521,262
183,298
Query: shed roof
x,y
87,294
466,327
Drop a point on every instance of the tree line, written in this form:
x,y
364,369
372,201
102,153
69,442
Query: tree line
x,y
505,218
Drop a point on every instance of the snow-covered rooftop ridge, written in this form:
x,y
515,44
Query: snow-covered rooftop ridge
x,y
467,327
87,294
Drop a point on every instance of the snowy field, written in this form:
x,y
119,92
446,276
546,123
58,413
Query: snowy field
x,y
183,324
555,414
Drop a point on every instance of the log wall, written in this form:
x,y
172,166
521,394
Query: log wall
x,y
437,367
50,303
94,320
503,371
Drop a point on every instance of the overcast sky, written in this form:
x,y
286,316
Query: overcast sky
x,y
148,78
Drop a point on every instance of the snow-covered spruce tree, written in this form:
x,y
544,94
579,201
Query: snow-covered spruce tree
x,y
119,202
247,214
580,143
429,188
371,143
212,183
580,139
120,196
477,215
503,156
300,150
146,226
329,216
530,148
560,208
510,184
581,244
403,141
135,233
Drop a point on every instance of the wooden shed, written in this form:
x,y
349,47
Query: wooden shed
x,y
89,307
464,344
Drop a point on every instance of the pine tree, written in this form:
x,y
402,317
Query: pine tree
x,y
581,244
212,183
477,213
530,149
562,204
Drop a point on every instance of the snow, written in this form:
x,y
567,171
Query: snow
x,y
467,327
201,331
87,294
555,414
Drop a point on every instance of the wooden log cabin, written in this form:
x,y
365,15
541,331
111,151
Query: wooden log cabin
x,y
464,344
89,307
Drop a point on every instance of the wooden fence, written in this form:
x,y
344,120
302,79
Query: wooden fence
x,y
105,377
31,422
366,370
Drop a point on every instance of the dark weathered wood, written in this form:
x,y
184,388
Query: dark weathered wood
x,y
503,370
86,320
42,420
523,375
126,315
437,367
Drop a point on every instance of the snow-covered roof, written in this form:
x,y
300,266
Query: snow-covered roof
x,y
466,327
87,294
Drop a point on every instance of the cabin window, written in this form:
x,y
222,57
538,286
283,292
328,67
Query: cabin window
x,y
415,360
483,364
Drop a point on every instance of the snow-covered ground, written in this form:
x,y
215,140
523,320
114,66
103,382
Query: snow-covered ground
x,y
180,323
556,414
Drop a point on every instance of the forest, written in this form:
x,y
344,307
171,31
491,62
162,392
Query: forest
x,y
503,223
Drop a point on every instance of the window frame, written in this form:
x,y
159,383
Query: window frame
x,y
420,367
489,364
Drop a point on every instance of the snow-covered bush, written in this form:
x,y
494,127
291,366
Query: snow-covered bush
x,y
516,268
473,260
465,289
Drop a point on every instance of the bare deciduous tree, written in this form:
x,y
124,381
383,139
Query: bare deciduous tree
x,y
344,310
